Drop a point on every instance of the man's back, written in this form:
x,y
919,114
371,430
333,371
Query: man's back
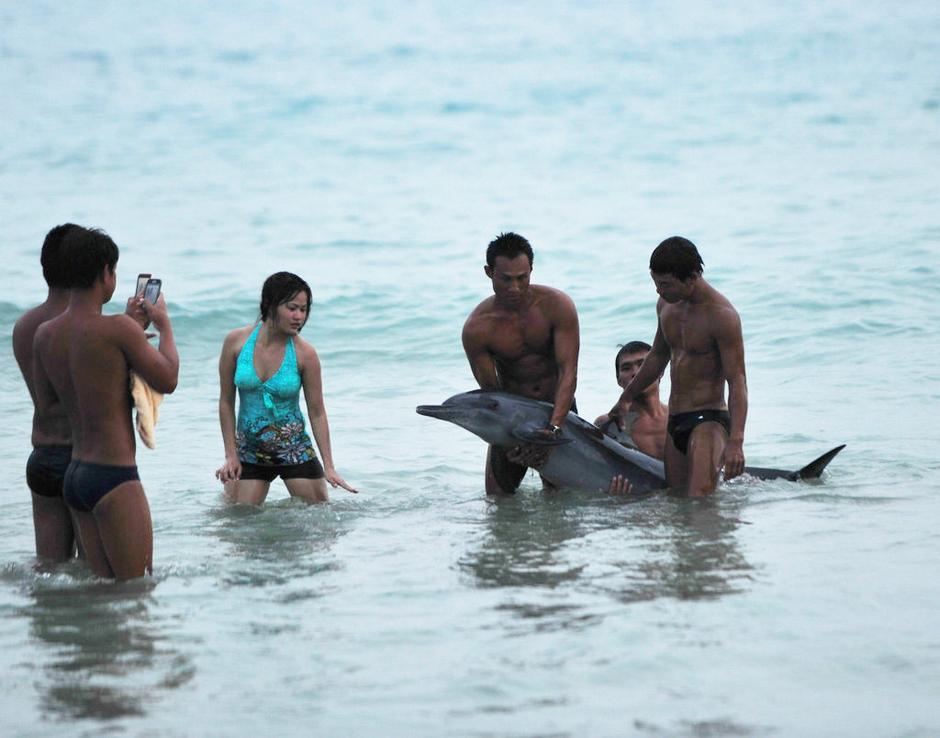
x,y
86,365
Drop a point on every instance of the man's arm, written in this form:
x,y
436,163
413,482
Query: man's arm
x,y
40,386
158,367
481,360
567,342
731,350
653,367
22,350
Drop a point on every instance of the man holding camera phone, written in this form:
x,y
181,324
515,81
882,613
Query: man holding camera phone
x,y
82,359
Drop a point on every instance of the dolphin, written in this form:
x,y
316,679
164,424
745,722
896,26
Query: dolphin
x,y
583,457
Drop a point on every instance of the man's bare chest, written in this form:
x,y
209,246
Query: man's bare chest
x,y
519,336
687,331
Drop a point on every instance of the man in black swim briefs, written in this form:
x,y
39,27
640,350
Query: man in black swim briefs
x,y
81,362
51,437
699,336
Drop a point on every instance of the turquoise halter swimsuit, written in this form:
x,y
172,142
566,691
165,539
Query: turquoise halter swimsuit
x,y
270,428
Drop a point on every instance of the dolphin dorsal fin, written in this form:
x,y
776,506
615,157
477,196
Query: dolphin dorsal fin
x,y
814,468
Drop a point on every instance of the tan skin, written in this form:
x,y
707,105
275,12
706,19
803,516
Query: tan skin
x,y
81,360
55,537
284,324
525,340
649,429
699,337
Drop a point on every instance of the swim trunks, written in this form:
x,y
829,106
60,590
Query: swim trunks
x,y
270,429
45,469
681,425
86,483
267,472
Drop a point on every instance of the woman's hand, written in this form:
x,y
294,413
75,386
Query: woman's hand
x,y
336,480
230,471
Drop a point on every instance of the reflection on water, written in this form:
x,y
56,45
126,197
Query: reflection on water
x,y
523,542
276,543
687,549
655,547
106,656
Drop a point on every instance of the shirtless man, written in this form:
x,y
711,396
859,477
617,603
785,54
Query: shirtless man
x,y
51,439
699,335
524,339
81,360
645,422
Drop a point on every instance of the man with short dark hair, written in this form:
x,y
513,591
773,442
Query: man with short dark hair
x,y
81,361
699,336
525,340
645,421
51,438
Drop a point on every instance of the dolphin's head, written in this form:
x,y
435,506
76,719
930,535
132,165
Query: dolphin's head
x,y
491,416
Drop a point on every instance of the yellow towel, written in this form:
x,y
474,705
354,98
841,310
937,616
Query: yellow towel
x,y
146,402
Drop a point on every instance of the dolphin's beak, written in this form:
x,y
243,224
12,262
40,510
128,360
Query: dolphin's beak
x,y
441,412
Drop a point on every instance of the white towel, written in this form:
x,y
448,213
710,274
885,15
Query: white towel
x,y
146,402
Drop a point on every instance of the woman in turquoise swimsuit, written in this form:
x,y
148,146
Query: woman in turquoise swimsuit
x,y
268,363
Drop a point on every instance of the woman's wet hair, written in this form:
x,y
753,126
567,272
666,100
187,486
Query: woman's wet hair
x,y
52,257
509,245
280,288
676,256
86,252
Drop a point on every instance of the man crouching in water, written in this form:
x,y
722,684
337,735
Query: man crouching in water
x,y
525,340
82,359
644,424
699,335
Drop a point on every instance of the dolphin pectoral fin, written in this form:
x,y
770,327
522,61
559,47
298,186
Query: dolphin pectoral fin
x,y
533,436
814,468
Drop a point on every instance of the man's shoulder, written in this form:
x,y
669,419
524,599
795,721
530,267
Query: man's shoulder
x,y
28,323
484,312
552,301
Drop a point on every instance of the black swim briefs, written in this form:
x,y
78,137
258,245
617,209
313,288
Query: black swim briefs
x,y
86,483
267,472
681,425
45,469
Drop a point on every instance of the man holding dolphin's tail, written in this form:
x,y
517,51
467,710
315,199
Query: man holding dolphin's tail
x,y
525,340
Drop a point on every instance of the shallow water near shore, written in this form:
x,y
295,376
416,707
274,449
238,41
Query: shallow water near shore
x,y
375,150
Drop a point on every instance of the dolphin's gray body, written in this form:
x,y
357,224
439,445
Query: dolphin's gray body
x,y
583,458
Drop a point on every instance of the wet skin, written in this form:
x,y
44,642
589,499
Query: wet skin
x,y
284,324
699,337
524,339
81,360
649,429
55,537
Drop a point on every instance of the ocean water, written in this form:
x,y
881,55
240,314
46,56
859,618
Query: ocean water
x,y
375,148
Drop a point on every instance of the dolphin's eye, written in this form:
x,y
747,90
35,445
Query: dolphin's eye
x,y
494,405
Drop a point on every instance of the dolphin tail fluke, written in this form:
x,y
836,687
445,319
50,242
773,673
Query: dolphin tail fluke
x,y
815,468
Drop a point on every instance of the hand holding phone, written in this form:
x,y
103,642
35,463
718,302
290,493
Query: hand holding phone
x,y
152,290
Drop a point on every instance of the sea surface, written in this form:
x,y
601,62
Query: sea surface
x,y
375,148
